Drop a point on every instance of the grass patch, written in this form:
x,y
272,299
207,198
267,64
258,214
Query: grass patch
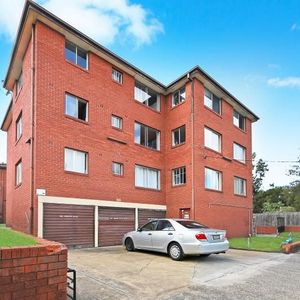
x,y
263,243
11,238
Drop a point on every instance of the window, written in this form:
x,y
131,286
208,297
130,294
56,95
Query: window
x,y
19,83
191,224
239,186
239,120
116,122
76,161
149,226
76,107
146,136
178,136
117,168
239,153
146,96
147,177
76,55
19,173
19,127
212,139
213,179
117,76
178,97
178,176
164,225
212,101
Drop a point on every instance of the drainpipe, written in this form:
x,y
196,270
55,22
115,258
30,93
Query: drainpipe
x,y
31,139
192,141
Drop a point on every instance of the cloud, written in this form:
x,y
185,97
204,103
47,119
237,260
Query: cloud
x,y
103,20
295,26
284,82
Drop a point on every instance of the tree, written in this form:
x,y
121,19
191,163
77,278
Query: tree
x,y
259,173
295,171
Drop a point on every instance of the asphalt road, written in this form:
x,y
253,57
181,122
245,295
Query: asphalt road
x,y
113,273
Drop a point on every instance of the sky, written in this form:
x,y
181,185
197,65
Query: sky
x,y
250,47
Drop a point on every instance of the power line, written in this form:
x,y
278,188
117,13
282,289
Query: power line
x,y
252,160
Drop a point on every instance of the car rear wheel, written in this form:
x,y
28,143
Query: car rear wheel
x,y
129,244
175,251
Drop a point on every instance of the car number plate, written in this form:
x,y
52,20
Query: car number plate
x,y
216,237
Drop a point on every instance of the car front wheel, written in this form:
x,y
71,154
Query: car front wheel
x,y
176,252
129,244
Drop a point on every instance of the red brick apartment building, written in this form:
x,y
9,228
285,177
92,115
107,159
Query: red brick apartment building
x,y
96,147
2,192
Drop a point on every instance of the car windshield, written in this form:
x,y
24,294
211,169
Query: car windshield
x,y
191,224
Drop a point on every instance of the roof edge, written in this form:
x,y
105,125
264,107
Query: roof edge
x,y
30,4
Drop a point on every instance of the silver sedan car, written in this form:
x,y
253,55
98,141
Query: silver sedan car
x,y
177,237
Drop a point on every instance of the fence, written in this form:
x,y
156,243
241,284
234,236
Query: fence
x,y
269,223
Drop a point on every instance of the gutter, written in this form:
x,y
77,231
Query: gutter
x,y
31,140
192,141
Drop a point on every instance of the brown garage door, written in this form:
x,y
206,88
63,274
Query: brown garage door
x,y
113,224
146,215
72,225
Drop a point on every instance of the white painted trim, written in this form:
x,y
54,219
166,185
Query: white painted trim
x,y
40,219
105,203
136,214
96,226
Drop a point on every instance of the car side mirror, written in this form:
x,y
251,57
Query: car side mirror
x,y
139,229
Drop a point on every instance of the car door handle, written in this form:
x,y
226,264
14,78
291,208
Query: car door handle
x,y
170,233
149,233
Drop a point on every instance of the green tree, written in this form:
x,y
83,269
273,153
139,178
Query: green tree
x,y
259,173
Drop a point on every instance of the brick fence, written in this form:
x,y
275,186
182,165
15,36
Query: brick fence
x,y
35,272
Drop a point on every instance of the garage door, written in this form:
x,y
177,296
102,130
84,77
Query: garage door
x,y
146,215
72,225
113,224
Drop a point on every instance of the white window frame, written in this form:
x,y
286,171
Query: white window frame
x,y
179,176
236,120
173,136
19,126
77,100
121,168
208,140
72,168
218,186
18,175
146,179
237,147
146,136
117,76
76,55
240,186
116,122
178,92
145,92
209,101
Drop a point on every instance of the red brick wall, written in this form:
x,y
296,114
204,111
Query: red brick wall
x,y
38,272
2,193
54,131
18,212
266,230
217,209
292,228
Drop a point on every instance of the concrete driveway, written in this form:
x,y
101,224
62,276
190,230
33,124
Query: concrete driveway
x,y
113,273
